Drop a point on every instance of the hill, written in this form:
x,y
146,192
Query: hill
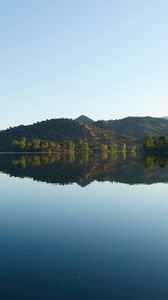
x,y
138,127
85,119
58,131
131,130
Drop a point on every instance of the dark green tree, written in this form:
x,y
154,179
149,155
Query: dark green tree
x,y
149,142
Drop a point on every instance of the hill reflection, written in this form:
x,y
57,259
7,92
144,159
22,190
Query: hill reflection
x,y
84,170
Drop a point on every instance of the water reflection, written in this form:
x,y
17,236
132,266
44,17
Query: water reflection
x,y
83,170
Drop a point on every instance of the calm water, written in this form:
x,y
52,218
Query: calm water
x,y
97,230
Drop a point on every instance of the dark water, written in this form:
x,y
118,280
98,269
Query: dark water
x,y
97,230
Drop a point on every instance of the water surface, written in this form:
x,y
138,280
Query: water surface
x,y
83,230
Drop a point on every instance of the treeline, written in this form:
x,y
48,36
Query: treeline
x,y
37,145
156,146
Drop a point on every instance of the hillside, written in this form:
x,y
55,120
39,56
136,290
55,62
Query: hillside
x,y
138,127
59,131
131,130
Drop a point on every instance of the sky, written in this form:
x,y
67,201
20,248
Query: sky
x,y
102,58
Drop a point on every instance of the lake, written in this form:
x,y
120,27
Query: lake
x,y
83,229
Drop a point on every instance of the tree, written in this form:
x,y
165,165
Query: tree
x,y
162,142
104,148
149,142
44,146
124,151
84,146
124,148
71,147
15,145
36,144
22,143
133,150
114,148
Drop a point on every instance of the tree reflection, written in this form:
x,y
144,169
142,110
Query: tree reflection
x,y
85,168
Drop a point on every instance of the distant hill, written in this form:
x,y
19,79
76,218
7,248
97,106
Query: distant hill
x,y
137,127
85,119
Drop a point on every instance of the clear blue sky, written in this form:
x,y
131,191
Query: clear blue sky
x,y
103,58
